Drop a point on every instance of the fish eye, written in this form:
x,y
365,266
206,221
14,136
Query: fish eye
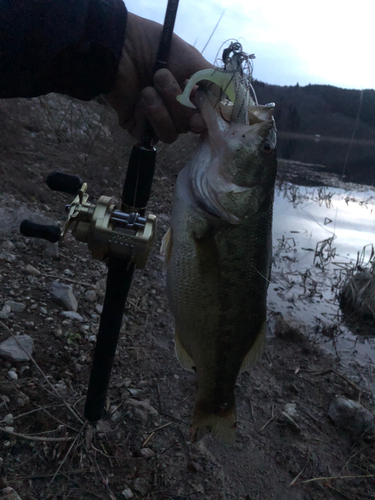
x,y
267,148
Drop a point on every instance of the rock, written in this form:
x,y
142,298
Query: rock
x,y
20,245
52,250
9,494
11,350
289,415
20,402
147,452
104,426
57,331
288,329
43,310
90,295
92,338
101,286
116,417
8,419
99,308
144,405
127,493
133,392
15,306
72,315
7,246
291,410
141,415
141,486
9,257
33,271
64,295
5,312
193,466
12,375
351,416
61,387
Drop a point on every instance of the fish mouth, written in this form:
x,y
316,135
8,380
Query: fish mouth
x,y
228,172
230,95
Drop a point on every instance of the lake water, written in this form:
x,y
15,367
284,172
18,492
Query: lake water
x,y
358,156
318,232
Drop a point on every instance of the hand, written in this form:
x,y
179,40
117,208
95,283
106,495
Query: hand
x,y
134,98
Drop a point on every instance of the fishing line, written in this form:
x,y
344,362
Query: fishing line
x,y
240,65
217,24
217,58
348,150
136,187
260,274
354,132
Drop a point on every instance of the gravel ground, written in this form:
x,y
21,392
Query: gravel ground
x,y
287,446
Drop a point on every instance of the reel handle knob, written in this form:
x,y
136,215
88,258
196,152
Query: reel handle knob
x,y
32,230
65,183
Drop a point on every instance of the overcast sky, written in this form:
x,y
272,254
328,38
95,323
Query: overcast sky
x,y
322,41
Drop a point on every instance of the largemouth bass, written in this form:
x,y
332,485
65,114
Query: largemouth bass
x,y
218,249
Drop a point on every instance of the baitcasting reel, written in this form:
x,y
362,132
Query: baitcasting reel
x,y
107,231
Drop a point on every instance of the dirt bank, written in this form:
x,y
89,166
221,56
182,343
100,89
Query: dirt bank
x,y
142,447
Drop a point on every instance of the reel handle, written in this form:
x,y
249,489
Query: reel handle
x,y
65,183
32,230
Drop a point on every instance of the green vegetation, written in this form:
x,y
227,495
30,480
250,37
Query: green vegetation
x,y
321,109
321,112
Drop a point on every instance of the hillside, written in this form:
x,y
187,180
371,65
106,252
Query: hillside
x,y
330,112
321,109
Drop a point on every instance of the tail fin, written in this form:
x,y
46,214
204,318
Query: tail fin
x,y
222,426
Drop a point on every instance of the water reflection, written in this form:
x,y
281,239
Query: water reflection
x,y
312,215
304,217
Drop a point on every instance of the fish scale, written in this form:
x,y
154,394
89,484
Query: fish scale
x,y
218,258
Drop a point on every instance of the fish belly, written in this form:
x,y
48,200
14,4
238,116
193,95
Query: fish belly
x,y
217,278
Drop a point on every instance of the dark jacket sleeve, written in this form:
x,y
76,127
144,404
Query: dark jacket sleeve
x,y
71,47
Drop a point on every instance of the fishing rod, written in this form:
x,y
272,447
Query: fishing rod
x,y
122,237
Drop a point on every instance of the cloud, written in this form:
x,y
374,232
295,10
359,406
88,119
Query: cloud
x,y
319,42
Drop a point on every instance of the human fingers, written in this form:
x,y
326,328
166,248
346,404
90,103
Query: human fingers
x,y
152,107
168,89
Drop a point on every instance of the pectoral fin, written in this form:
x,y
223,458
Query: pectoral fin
x,y
166,247
183,357
256,350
